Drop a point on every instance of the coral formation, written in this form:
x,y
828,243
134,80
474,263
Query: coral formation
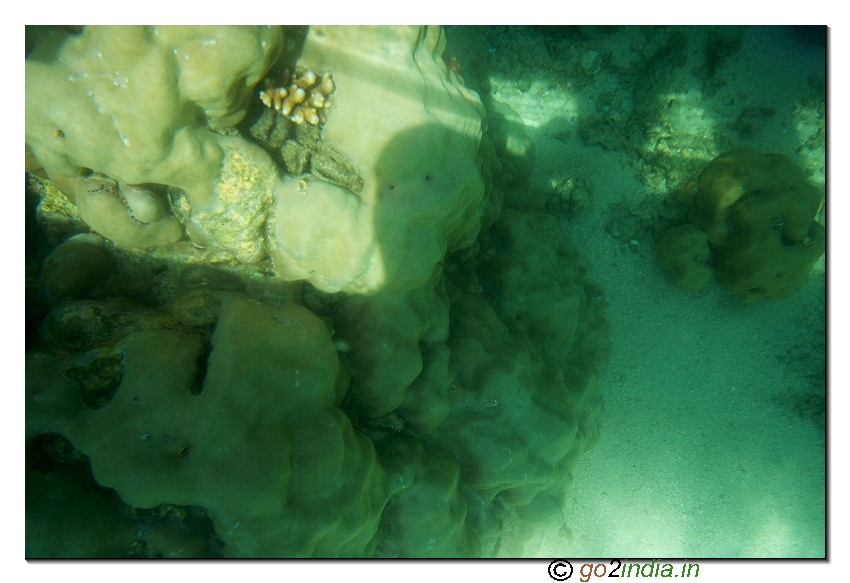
x,y
757,213
435,408
127,100
265,423
304,100
73,268
417,155
59,478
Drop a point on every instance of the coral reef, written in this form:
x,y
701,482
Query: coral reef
x,y
757,213
271,430
416,155
393,355
134,103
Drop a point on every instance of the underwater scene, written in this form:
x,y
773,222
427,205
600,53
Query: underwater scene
x,y
429,292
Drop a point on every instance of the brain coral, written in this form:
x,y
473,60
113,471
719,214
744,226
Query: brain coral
x,y
435,409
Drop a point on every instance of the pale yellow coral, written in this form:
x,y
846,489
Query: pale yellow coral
x,y
303,100
327,85
297,95
306,79
124,101
273,96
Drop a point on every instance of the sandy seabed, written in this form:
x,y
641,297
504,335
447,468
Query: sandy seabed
x,y
706,449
